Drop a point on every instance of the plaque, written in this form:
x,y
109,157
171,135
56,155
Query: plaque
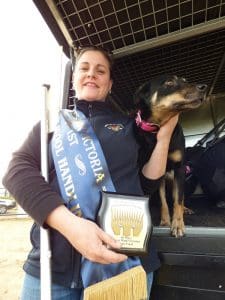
x,y
128,220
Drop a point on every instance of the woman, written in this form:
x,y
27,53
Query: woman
x,y
72,236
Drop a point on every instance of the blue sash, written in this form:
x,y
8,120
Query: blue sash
x,y
82,174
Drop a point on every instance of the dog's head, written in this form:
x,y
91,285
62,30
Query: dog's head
x,y
162,97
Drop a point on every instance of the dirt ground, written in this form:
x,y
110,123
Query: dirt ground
x,y
15,244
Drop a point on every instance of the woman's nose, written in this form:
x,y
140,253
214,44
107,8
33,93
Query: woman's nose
x,y
91,73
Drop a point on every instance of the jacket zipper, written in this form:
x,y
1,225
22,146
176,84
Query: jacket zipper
x,y
89,111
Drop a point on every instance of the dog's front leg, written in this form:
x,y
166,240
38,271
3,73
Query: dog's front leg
x,y
178,227
165,215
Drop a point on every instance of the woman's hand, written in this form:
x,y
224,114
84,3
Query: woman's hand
x,y
84,235
93,243
156,166
166,130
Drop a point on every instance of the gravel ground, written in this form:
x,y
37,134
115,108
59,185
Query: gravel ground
x,y
15,244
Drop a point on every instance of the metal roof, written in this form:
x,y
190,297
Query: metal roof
x,y
147,37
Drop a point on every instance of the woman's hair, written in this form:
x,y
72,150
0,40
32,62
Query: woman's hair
x,y
108,56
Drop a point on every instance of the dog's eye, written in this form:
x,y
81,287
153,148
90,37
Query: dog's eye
x,y
169,83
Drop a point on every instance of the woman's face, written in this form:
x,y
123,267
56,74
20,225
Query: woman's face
x,y
92,76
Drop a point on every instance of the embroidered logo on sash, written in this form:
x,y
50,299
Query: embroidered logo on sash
x,y
114,127
80,164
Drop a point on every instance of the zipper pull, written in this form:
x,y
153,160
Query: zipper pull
x,y
89,110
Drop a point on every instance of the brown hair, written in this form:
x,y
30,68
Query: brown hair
x,y
108,56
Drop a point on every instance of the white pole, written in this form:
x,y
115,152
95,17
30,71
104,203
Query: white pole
x,y
45,256
49,116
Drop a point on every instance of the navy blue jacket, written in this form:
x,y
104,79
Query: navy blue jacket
x,y
38,198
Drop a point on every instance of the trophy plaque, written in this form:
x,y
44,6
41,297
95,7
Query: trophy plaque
x,y
127,219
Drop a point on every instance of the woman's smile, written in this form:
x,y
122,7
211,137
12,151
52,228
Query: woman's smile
x,y
91,84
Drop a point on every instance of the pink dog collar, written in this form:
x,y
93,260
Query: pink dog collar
x,y
146,126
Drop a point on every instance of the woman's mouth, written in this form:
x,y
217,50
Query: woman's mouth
x,y
91,84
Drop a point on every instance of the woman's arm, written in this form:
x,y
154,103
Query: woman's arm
x,y
156,165
24,181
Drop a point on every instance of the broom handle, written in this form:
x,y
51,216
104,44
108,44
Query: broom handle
x,y
45,255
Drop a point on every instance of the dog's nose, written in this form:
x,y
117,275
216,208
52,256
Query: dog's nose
x,y
202,87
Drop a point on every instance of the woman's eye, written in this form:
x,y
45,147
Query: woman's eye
x,y
101,71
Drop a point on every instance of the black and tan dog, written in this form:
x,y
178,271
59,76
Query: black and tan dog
x,y
156,102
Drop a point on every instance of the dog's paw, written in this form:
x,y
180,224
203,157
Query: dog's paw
x,y
165,222
178,228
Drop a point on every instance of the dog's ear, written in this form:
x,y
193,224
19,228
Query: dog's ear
x,y
142,93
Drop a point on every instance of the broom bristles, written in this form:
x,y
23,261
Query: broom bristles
x,y
129,285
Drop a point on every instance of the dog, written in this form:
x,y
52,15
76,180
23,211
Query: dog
x,y
155,102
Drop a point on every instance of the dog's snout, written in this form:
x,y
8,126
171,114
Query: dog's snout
x,y
201,87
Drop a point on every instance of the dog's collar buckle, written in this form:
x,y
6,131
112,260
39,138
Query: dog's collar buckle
x,y
146,126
